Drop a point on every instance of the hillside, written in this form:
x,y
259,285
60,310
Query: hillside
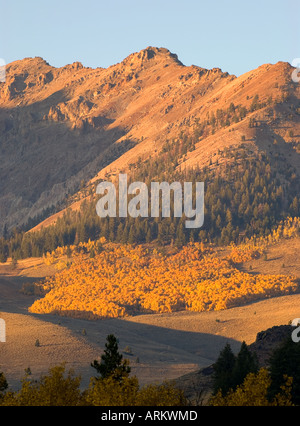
x,y
164,345
122,281
168,345
63,129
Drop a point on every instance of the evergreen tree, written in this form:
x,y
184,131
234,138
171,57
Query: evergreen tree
x,y
3,251
284,361
244,195
148,236
246,362
230,370
120,232
69,252
112,363
132,235
3,384
223,369
180,235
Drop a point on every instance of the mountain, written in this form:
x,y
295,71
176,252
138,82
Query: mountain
x,y
63,129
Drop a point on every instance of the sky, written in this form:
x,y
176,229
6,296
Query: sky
x,y
233,35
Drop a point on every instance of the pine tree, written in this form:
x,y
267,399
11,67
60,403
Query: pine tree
x,y
132,235
230,370
120,232
3,251
246,362
3,384
223,369
180,235
69,252
284,361
112,363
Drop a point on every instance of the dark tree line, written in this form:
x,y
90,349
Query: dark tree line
x,y
245,195
230,370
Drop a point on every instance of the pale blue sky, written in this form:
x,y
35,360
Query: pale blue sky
x,y
233,35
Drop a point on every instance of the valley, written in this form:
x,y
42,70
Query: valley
x,y
160,346
172,296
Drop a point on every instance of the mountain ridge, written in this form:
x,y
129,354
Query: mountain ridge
x,y
64,126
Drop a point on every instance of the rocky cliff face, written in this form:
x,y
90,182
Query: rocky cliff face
x,y
269,340
62,126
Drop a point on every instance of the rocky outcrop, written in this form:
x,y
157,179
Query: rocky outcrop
x,y
269,340
56,122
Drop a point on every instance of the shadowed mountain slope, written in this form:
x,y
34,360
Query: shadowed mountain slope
x,y
62,127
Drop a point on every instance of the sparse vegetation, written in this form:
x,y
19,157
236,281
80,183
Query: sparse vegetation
x,y
114,387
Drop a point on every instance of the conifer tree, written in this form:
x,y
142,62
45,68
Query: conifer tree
x,y
112,363
3,251
3,384
283,362
230,370
223,369
246,362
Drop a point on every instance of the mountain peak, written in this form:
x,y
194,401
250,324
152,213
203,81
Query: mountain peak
x,y
28,63
100,114
152,54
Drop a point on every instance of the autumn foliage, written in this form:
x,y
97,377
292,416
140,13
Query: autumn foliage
x,y
254,393
121,280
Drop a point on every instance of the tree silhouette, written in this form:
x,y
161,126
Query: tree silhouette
x,y
223,369
284,361
246,362
112,363
230,370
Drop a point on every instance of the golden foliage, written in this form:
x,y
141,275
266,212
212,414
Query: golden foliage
x,y
254,247
253,392
62,388
109,392
58,388
123,280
